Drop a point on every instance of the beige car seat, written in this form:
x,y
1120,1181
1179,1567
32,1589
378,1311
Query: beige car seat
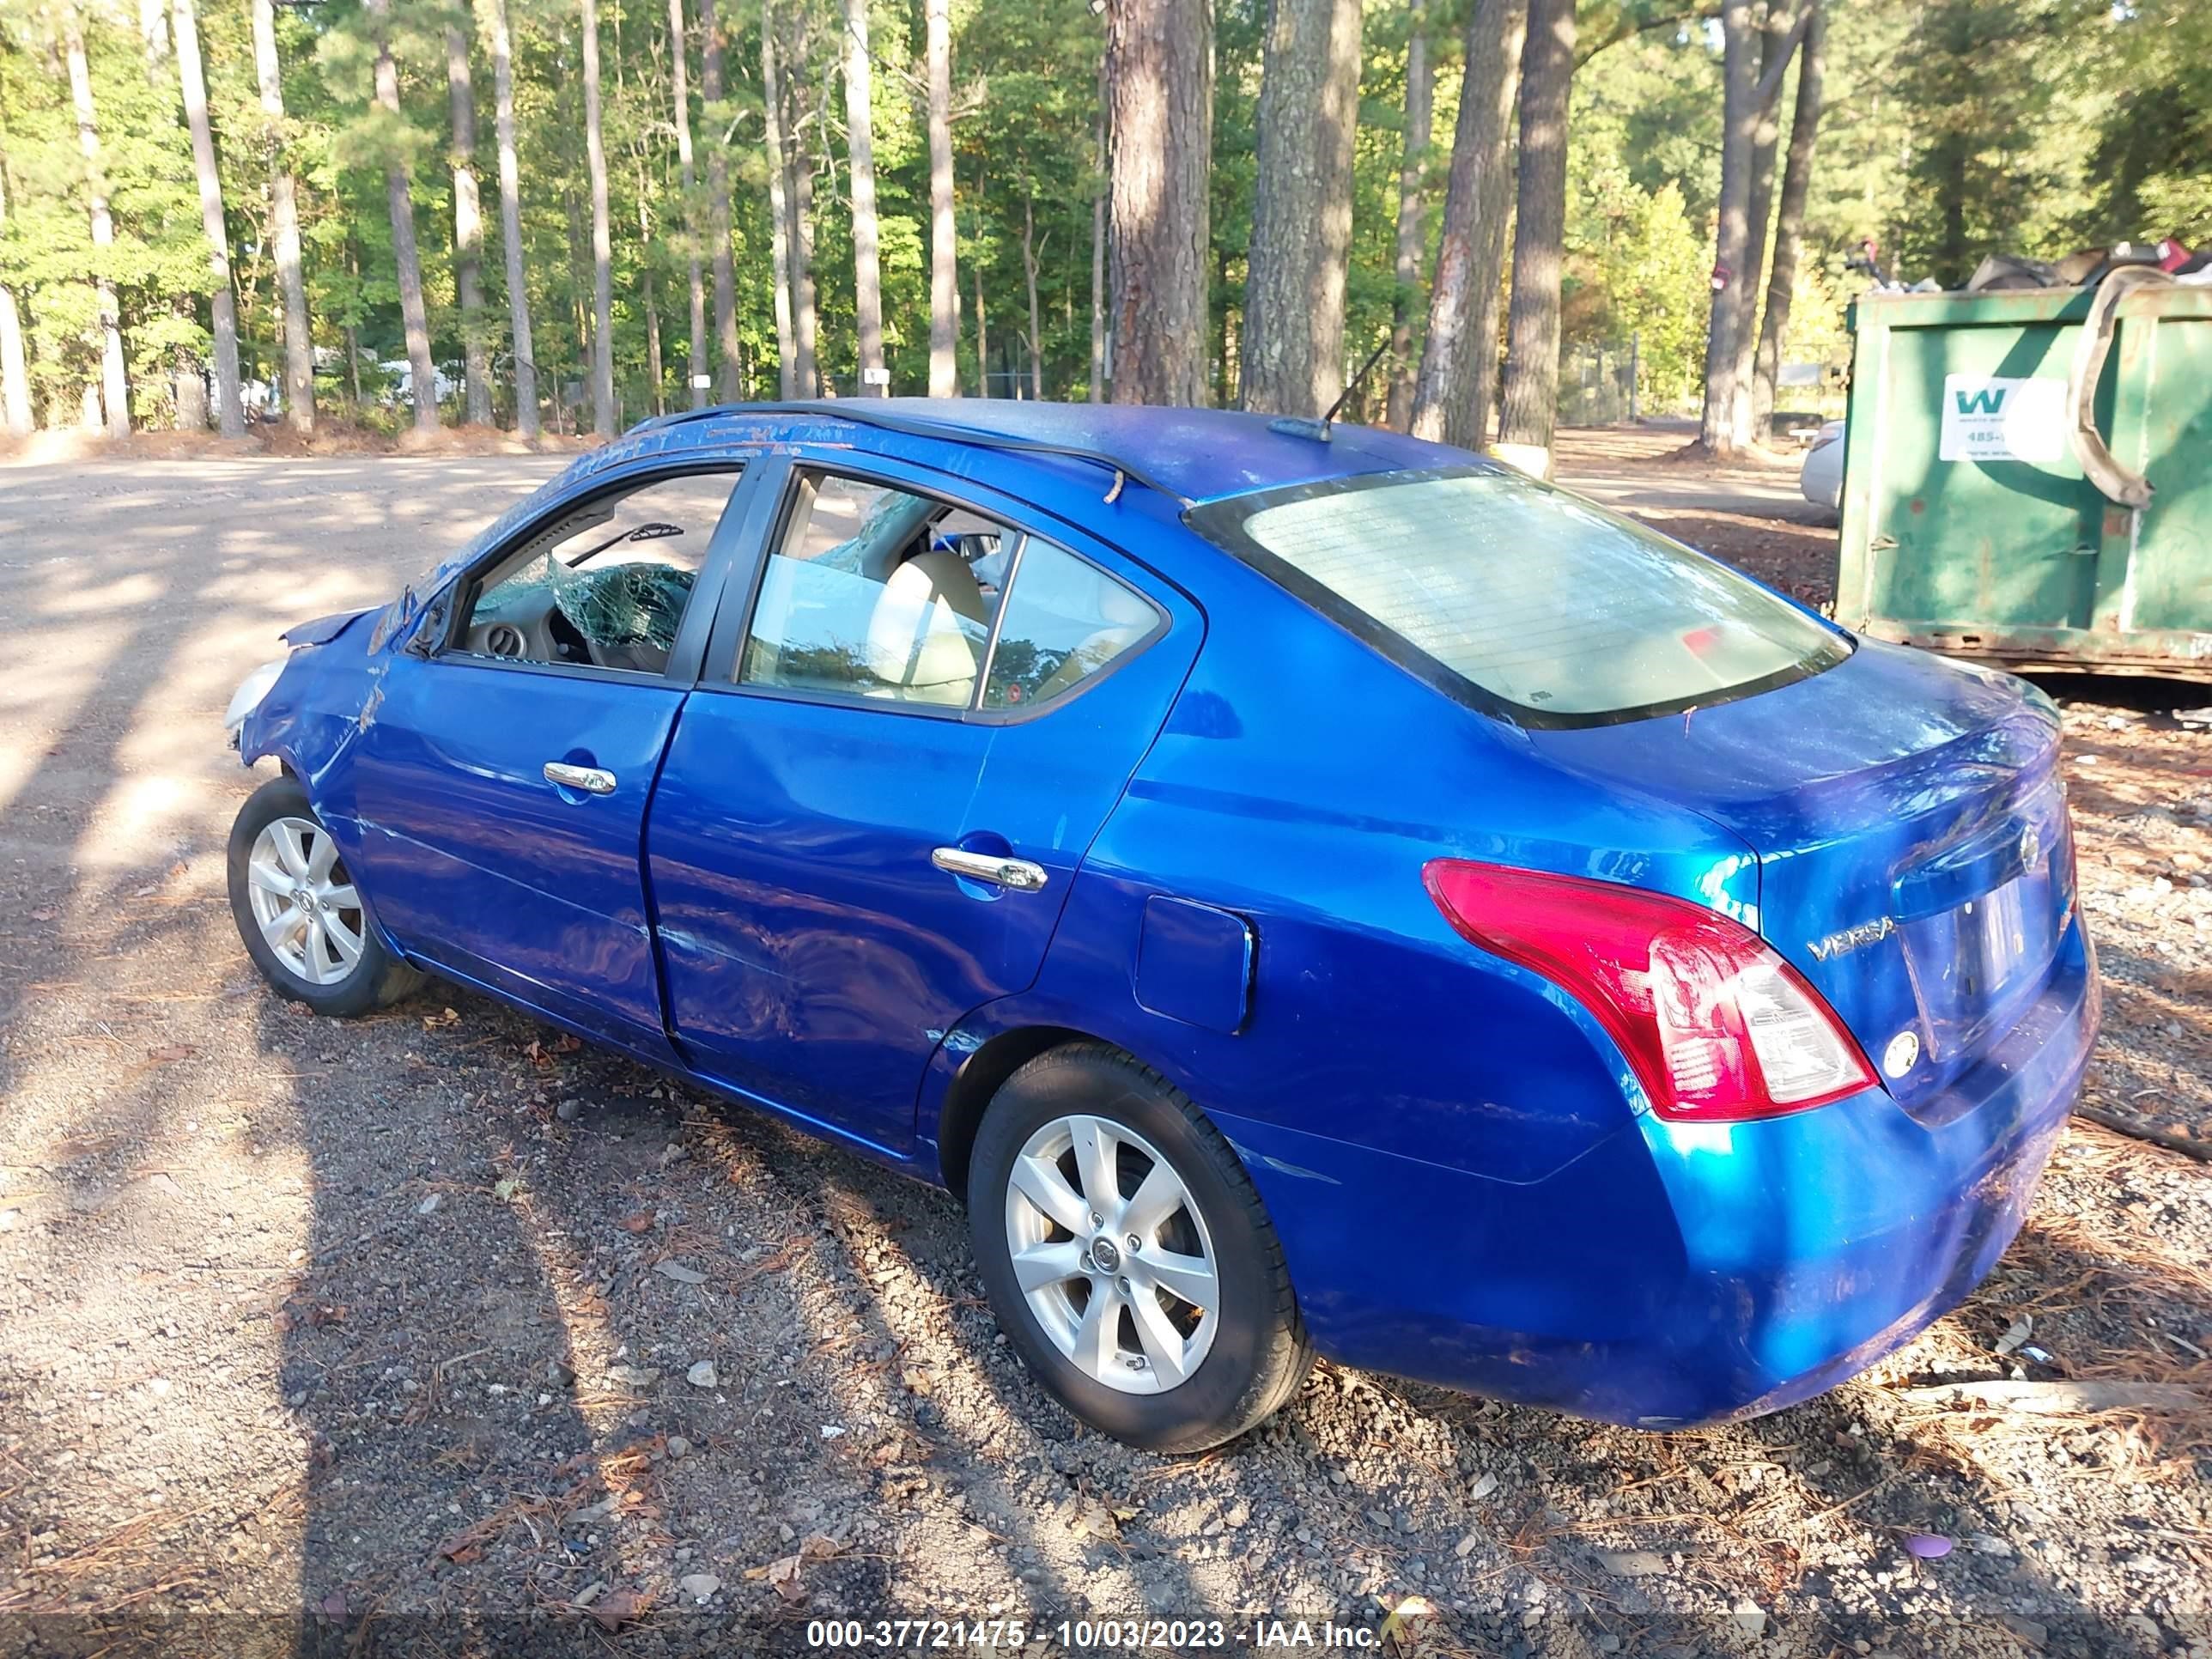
x,y
926,636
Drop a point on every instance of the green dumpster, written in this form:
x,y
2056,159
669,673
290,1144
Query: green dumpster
x,y
2028,476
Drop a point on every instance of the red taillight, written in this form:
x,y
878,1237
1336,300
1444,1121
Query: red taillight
x,y
1717,1026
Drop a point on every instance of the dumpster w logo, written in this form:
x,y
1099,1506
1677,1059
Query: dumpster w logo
x,y
1989,419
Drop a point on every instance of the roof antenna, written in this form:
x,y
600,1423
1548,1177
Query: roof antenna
x,y
1295,426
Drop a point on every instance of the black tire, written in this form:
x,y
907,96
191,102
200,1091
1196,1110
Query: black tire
x,y
1258,1353
377,978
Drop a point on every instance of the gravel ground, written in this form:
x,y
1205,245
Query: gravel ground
x,y
434,1333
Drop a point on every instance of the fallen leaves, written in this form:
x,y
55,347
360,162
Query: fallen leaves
x,y
783,1574
620,1608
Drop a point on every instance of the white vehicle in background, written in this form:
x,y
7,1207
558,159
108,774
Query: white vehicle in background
x,y
1822,480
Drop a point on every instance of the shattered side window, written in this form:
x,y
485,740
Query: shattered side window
x,y
603,583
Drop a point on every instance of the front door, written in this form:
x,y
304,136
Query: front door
x,y
500,783
877,799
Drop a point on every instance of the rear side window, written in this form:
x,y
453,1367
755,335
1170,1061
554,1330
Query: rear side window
x,y
1524,595
878,592
1065,621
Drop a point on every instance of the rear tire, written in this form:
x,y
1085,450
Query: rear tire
x,y
305,926
1128,1254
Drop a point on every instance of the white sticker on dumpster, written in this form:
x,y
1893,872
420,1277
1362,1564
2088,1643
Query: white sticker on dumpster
x,y
1989,419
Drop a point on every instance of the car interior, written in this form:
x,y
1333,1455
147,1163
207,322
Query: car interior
x,y
605,585
878,592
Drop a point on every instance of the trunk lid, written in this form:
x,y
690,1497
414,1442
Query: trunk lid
x,y
1916,859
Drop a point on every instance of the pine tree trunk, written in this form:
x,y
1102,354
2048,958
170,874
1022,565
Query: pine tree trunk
x,y
1292,361
860,151
1029,258
468,230
1412,213
779,207
1789,224
805,321
1530,407
1774,30
944,273
1098,246
718,196
414,319
1715,431
284,216
510,220
193,78
982,334
114,389
1160,57
14,369
603,252
1746,96
680,95
1457,385
654,365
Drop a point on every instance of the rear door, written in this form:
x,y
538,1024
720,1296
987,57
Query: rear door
x,y
875,802
502,778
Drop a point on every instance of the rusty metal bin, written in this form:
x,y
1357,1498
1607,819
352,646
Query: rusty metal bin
x,y
1997,445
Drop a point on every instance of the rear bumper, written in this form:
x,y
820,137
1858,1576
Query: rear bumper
x,y
1684,1274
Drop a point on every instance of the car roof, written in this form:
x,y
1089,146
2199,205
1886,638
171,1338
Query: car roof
x,y
1196,454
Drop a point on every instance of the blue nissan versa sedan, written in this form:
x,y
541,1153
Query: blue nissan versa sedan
x,y
1307,890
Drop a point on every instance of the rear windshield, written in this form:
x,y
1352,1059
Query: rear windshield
x,y
1525,599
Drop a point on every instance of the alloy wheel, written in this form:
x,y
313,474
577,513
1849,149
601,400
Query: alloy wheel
x,y
1112,1254
304,902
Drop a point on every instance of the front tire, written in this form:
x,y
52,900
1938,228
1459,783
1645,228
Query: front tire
x,y
1128,1254
303,921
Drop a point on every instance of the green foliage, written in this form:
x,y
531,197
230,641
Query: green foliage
x,y
1954,127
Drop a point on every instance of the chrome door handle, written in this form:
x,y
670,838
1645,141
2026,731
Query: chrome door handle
x,y
589,779
1015,875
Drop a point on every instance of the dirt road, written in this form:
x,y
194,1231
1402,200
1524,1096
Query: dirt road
x,y
388,1338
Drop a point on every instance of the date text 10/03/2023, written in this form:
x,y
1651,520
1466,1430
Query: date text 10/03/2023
x,y
1087,1635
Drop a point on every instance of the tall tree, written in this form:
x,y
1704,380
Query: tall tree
x,y
284,227
1745,97
1413,212
944,273
415,323
493,13
1774,29
718,195
1098,242
468,229
193,78
1160,57
1293,345
779,206
1030,253
1529,406
1790,221
805,313
1457,385
603,252
15,374
860,152
114,389
680,94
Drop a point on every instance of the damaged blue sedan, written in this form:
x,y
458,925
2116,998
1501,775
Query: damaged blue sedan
x,y
1307,890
